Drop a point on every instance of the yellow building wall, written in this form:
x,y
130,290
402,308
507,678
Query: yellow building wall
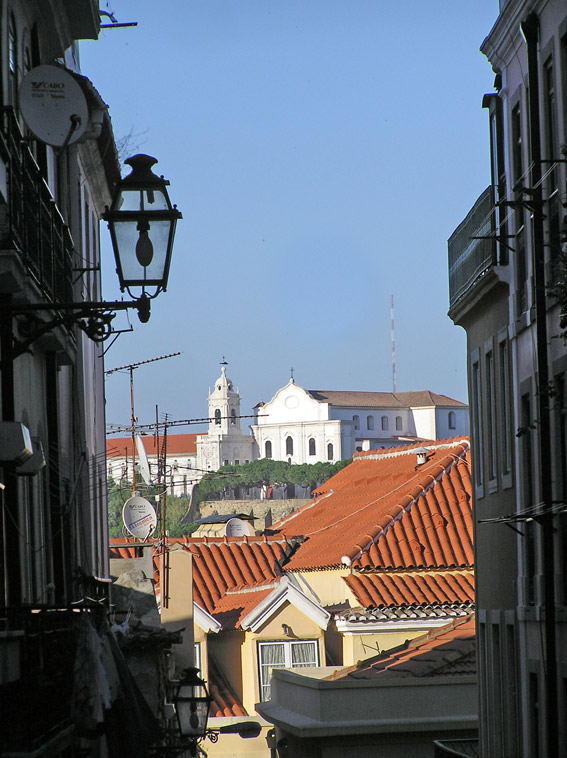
x,y
326,587
358,647
301,628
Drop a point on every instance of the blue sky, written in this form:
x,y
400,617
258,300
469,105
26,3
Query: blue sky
x,y
321,152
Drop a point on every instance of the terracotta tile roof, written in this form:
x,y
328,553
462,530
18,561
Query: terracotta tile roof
x,y
404,613
383,512
177,444
448,651
390,589
225,564
418,399
225,701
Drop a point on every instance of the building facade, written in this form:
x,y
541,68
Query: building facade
x,y
307,426
53,524
506,273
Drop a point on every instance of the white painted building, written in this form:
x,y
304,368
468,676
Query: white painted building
x,y
307,426
224,443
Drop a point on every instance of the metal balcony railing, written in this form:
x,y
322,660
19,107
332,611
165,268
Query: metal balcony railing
x,y
37,704
34,227
472,247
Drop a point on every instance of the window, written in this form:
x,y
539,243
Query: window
x,y
267,449
370,422
356,422
289,445
384,423
330,451
312,447
452,420
217,417
490,414
13,61
233,417
550,108
504,407
399,425
476,410
284,654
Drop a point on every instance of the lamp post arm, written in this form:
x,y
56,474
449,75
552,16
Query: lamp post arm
x,y
93,318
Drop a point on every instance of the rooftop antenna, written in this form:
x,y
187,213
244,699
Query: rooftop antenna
x,y
130,368
393,344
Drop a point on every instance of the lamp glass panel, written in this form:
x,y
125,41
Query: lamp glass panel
x,y
141,200
192,716
128,238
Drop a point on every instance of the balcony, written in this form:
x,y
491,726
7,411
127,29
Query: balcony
x,y
31,226
37,695
472,247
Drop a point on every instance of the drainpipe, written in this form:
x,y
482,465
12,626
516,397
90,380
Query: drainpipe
x,y
530,30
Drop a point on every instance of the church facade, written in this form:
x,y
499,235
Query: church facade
x,y
308,426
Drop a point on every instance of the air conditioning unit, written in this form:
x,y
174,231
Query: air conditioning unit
x,y
15,442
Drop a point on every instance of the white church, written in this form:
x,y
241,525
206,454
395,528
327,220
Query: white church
x,y
298,426
306,426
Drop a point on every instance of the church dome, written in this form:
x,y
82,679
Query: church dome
x,y
223,385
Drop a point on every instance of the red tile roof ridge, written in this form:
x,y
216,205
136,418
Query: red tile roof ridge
x,y
393,452
257,587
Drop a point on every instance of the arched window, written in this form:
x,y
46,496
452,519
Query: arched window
x,y
268,449
370,422
356,422
452,420
289,445
312,448
399,423
384,423
330,452
233,417
217,416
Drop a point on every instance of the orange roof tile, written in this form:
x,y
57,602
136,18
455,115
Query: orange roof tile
x,y
387,589
382,511
225,701
447,651
177,444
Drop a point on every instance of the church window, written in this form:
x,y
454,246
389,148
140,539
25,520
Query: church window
x,y
268,449
384,423
330,452
217,416
236,462
370,422
289,445
398,423
312,449
226,462
233,417
356,422
452,420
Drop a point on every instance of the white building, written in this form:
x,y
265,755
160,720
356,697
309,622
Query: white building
x,y
224,443
307,426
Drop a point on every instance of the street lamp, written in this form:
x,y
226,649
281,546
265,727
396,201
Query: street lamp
x,y
192,702
142,221
142,224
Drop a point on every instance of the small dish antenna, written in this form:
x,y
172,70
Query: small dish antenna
x,y
143,460
139,517
53,106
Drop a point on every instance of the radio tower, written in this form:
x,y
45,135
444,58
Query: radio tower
x,y
393,344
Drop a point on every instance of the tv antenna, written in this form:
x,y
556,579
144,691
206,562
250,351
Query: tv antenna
x,y
130,368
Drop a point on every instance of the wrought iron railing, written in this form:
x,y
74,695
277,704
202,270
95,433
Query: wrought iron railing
x,y
472,247
37,703
34,227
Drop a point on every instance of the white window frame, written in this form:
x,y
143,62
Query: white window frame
x,y
265,669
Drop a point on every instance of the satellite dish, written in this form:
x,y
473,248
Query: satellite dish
x,y
53,105
143,460
236,527
139,517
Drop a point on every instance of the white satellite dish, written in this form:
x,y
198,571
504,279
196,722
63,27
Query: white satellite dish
x,y
53,105
236,527
139,517
143,460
